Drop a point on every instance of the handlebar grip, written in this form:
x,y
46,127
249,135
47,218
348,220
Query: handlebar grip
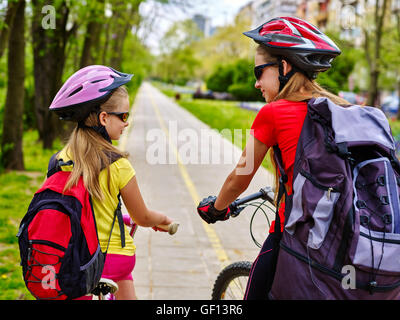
x,y
171,228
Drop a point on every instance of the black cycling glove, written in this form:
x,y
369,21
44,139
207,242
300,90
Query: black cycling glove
x,y
208,213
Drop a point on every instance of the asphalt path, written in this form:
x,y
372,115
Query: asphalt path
x,y
178,161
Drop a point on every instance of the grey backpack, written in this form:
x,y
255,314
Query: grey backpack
x,y
341,237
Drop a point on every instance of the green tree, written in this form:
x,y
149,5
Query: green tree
x,y
11,144
95,18
177,62
221,78
225,46
373,33
49,58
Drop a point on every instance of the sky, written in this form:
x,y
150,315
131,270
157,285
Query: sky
x,y
160,18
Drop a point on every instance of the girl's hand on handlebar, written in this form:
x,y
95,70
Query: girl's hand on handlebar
x,y
171,228
156,228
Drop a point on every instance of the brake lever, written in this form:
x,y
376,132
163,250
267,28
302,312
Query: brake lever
x,y
236,211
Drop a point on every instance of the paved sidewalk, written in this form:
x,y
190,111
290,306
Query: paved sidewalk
x,y
185,265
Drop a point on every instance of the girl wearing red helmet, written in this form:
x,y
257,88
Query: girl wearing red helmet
x,y
96,99
290,54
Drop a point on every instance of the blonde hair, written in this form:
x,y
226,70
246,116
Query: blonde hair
x,y
292,92
90,152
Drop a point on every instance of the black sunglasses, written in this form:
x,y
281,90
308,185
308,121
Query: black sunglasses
x,y
122,115
258,70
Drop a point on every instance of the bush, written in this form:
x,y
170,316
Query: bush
x,y
237,79
245,92
221,78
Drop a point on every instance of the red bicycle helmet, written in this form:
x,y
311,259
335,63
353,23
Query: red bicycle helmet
x,y
298,41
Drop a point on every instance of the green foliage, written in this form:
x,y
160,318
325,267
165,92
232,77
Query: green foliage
x,y
336,78
245,92
236,78
177,62
221,78
137,60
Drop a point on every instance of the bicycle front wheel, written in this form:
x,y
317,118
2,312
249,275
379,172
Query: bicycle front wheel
x,y
231,281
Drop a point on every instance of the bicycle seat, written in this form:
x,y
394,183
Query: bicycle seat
x,y
105,286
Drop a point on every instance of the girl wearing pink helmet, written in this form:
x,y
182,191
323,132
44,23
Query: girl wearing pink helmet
x,y
290,54
95,97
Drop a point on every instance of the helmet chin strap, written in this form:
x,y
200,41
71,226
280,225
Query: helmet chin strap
x,y
283,79
100,129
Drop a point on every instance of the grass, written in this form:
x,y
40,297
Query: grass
x,y
15,195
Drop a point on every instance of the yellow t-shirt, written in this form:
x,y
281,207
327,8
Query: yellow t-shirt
x,y
121,171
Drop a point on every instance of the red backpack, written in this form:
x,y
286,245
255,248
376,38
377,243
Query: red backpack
x,y
59,247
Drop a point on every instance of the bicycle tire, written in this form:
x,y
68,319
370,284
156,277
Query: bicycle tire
x,y
230,276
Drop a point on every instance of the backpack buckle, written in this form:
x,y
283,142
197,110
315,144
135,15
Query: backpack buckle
x,y
387,218
371,286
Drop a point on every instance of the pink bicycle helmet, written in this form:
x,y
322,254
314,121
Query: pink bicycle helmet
x,y
297,41
85,90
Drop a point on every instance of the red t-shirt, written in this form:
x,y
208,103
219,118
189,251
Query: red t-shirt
x,y
280,123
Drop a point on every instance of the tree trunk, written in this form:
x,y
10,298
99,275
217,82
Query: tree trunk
x,y
11,145
375,64
123,22
92,37
8,22
93,29
373,93
49,58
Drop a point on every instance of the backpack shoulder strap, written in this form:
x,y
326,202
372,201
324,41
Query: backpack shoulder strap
x,y
283,178
53,167
56,164
118,216
118,213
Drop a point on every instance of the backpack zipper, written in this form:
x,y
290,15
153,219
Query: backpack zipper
x,y
48,243
328,195
318,185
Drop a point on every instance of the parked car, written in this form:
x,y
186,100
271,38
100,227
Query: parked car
x,y
352,97
390,104
203,95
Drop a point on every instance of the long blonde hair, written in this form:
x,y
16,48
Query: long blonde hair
x,y
90,152
292,92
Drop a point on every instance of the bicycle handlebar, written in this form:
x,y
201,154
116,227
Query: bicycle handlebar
x,y
265,193
171,228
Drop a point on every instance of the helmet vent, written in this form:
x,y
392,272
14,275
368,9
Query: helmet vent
x,y
95,81
75,91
